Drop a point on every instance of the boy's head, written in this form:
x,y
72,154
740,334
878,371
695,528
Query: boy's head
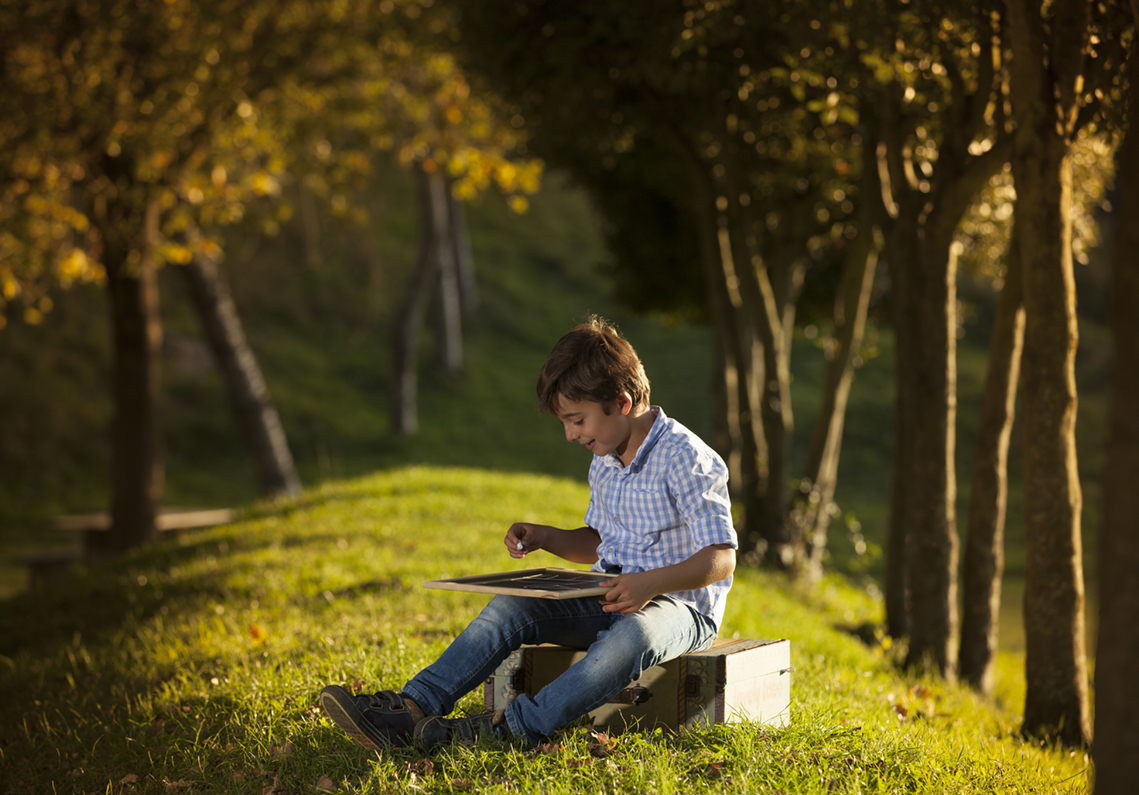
x,y
592,362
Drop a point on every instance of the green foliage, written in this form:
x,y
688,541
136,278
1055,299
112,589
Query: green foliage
x,y
738,99
195,666
208,109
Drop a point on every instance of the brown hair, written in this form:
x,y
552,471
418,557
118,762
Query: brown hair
x,y
592,362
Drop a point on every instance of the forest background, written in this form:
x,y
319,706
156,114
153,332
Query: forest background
x,y
332,299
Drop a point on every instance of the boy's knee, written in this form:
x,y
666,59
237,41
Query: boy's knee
x,y
501,606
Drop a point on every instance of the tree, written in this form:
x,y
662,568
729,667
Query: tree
x,y
436,261
938,82
812,513
1116,748
245,385
128,129
126,104
711,116
991,255
458,144
983,562
1055,73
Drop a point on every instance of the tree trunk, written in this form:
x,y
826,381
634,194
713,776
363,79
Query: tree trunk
x,y
923,269
776,323
923,515
928,466
765,309
409,323
245,385
897,585
984,558
1056,698
137,469
820,474
464,255
725,418
736,341
1116,748
449,317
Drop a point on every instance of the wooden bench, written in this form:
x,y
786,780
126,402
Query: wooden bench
x,y
96,527
94,537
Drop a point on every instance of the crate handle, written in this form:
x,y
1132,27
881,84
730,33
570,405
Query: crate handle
x,y
632,695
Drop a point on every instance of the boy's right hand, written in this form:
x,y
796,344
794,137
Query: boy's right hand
x,y
523,538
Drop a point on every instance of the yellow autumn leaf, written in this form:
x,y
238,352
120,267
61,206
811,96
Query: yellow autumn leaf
x,y
172,252
74,266
11,287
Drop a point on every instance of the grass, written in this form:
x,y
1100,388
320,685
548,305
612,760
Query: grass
x,y
150,676
194,666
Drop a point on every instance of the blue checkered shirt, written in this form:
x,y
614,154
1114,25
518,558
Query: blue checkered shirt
x,y
663,508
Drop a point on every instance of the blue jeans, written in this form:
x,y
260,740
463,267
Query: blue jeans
x,y
620,648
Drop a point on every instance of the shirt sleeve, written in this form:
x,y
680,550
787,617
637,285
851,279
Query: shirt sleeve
x,y
698,480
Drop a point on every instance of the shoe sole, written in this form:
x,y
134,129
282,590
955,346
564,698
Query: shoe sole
x,y
340,709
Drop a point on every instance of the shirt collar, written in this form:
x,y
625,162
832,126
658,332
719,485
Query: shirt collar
x,y
655,432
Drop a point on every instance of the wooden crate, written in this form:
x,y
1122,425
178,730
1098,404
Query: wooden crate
x,y
734,680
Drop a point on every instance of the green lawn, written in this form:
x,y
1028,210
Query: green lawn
x,y
112,675
194,666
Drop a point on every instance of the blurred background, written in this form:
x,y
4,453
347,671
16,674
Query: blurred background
x,y
386,214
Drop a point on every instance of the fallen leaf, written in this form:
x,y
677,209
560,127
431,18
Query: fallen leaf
x,y
550,748
257,633
603,745
422,767
271,789
129,778
357,685
282,750
159,726
324,785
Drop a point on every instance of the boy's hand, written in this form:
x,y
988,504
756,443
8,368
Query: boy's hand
x,y
523,538
628,593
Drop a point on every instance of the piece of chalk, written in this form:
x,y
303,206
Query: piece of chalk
x,y
519,546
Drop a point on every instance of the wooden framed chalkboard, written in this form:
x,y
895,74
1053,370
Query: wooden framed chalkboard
x,y
548,583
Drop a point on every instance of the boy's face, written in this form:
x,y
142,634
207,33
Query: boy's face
x,y
586,423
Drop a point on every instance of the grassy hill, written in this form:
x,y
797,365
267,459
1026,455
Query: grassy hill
x,y
320,326
194,666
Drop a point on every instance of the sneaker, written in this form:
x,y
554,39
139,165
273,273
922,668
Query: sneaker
x,y
377,720
437,731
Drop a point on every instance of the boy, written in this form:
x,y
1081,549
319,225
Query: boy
x,y
659,520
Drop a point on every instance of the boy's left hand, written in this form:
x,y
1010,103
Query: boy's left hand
x,y
628,593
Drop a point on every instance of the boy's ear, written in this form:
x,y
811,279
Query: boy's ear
x,y
624,403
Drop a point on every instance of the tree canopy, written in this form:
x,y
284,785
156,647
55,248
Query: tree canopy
x,y
207,108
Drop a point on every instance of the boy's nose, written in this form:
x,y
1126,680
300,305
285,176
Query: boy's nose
x,y
571,434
